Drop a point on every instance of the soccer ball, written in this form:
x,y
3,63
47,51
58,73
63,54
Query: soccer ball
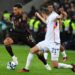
x,y
11,65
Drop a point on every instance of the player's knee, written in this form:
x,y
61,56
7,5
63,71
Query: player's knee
x,y
8,41
61,48
40,52
55,64
34,50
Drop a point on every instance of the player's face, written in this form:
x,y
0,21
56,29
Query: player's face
x,y
50,8
16,10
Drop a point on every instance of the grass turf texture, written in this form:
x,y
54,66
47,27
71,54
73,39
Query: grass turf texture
x,y
36,68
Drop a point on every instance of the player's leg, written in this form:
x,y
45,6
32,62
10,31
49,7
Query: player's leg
x,y
30,55
46,55
36,50
54,59
62,65
62,49
31,43
7,43
29,58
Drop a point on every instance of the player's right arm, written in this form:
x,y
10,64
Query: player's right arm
x,y
40,17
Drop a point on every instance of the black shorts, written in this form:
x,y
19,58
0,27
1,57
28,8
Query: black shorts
x,y
21,37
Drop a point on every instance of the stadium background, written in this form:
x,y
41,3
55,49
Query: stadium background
x,y
21,51
31,6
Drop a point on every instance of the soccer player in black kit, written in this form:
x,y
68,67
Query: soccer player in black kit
x,y
22,33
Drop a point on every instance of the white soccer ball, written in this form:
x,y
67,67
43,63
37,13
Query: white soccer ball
x,y
11,65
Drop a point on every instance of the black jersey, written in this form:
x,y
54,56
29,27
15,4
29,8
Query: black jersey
x,y
20,24
19,30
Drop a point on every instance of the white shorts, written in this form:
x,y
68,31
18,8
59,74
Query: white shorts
x,y
54,49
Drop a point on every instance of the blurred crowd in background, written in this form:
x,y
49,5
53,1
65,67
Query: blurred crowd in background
x,y
38,28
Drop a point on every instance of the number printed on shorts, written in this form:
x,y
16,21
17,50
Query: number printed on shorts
x,y
54,50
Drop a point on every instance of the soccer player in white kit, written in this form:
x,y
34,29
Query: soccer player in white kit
x,y
51,42
63,15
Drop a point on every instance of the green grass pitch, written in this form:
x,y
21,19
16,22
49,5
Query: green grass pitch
x,y
36,68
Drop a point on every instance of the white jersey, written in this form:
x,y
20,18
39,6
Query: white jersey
x,y
53,31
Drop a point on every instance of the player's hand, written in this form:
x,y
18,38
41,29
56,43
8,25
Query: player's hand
x,y
37,14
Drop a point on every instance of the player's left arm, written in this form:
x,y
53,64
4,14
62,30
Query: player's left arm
x,y
59,19
25,18
27,31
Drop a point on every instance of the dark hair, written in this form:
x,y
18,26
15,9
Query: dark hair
x,y
49,3
44,7
18,5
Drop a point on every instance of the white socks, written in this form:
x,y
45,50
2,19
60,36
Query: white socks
x,y
48,67
14,58
29,58
45,55
62,65
64,54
